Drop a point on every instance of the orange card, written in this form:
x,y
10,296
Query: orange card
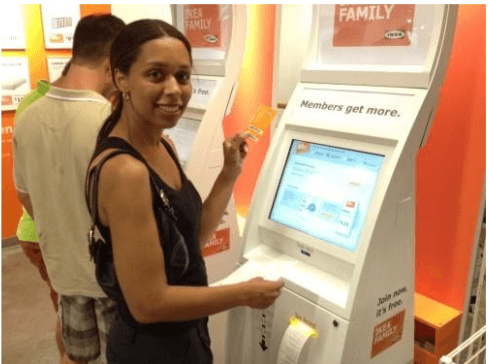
x,y
261,121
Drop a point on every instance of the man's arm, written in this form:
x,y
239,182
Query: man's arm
x,y
25,200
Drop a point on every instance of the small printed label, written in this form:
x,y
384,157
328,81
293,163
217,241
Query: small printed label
x,y
395,34
203,91
220,241
387,333
390,301
7,100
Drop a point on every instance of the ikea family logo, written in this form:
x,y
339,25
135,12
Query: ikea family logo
x,y
395,34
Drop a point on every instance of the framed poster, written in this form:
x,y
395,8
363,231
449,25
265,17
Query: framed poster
x,y
15,81
59,22
12,26
55,66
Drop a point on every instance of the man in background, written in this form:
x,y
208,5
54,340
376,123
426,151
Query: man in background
x,y
54,139
26,229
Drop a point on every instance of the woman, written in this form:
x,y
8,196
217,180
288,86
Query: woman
x,y
165,299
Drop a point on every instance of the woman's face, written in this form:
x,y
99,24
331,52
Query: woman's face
x,y
159,81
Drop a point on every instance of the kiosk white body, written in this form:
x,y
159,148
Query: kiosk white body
x,y
333,212
199,134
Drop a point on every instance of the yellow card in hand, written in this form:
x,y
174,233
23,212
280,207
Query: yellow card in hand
x,y
260,122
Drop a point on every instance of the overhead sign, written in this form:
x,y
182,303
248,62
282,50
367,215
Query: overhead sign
x,y
368,25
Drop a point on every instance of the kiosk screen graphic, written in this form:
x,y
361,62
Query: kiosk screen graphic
x,y
326,191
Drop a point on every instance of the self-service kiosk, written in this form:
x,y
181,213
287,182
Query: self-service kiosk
x,y
334,209
217,33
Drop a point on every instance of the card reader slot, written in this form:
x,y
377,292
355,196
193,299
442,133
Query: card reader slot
x,y
306,280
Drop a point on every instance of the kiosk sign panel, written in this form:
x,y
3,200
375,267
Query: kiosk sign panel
x,y
369,25
202,25
374,34
207,27
326,192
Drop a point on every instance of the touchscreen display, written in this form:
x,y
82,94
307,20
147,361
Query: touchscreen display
x,y
326,191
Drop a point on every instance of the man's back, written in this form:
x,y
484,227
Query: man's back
x,y
54,141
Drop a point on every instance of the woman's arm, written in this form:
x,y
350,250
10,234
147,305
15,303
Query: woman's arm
x,y
235,151
125,202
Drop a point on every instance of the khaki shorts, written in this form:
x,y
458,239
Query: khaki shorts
x,y
85,324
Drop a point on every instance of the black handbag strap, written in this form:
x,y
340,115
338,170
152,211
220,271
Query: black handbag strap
x,y
93,175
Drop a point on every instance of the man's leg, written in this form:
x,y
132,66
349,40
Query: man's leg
x,y
59,337
34,254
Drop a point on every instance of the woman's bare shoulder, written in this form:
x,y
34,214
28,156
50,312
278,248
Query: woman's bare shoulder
x,y
121,171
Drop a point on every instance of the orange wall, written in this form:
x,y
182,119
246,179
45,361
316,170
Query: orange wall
x,y
255,88
11,209
451,168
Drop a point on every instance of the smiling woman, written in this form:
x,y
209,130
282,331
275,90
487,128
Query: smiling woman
x,y
159,88
151,216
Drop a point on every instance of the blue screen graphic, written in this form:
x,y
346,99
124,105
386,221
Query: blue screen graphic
x,y
326,191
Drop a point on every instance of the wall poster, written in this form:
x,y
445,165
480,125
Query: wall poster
x,y
12,26
55,66
59,22
15,81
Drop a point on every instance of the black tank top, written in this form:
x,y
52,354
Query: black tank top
x,y
184,262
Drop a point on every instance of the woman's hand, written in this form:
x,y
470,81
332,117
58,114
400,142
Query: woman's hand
x,y
262,293
235,151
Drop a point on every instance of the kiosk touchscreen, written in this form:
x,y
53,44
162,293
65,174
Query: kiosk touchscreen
x,y
326,192
334,208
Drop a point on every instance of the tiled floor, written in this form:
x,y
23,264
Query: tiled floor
x,y
28,316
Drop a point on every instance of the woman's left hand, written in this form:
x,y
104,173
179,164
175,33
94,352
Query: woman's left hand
x,y
235,151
